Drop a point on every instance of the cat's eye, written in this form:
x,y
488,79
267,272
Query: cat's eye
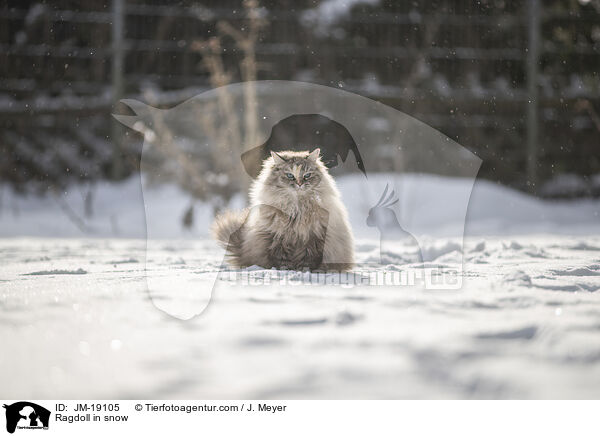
x,y
307,176
289,176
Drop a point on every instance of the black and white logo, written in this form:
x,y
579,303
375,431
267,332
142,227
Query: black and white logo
x,y
26,415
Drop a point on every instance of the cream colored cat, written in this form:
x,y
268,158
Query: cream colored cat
x,y
296,218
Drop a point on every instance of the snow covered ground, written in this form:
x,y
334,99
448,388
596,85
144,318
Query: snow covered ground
x,y
77,320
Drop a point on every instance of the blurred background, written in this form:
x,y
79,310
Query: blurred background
x,y
87,235
515,82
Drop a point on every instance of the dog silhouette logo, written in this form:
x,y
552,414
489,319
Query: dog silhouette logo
x,y
26,415
213,146
305,132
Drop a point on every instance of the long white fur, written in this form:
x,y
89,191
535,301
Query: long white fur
x,y
306,207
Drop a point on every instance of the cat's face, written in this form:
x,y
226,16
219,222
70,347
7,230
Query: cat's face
x,y
296,171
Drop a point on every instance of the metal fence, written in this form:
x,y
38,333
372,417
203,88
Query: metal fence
x,y
515,82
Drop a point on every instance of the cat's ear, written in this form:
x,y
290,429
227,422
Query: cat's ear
x,y
314,155
277,158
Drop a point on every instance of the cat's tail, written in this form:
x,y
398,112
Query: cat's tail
x,y
228,230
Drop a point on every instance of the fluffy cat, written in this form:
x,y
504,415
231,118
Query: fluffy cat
x,y
296,219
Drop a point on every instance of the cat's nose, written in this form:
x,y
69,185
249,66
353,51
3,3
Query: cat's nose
x,y
299,182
